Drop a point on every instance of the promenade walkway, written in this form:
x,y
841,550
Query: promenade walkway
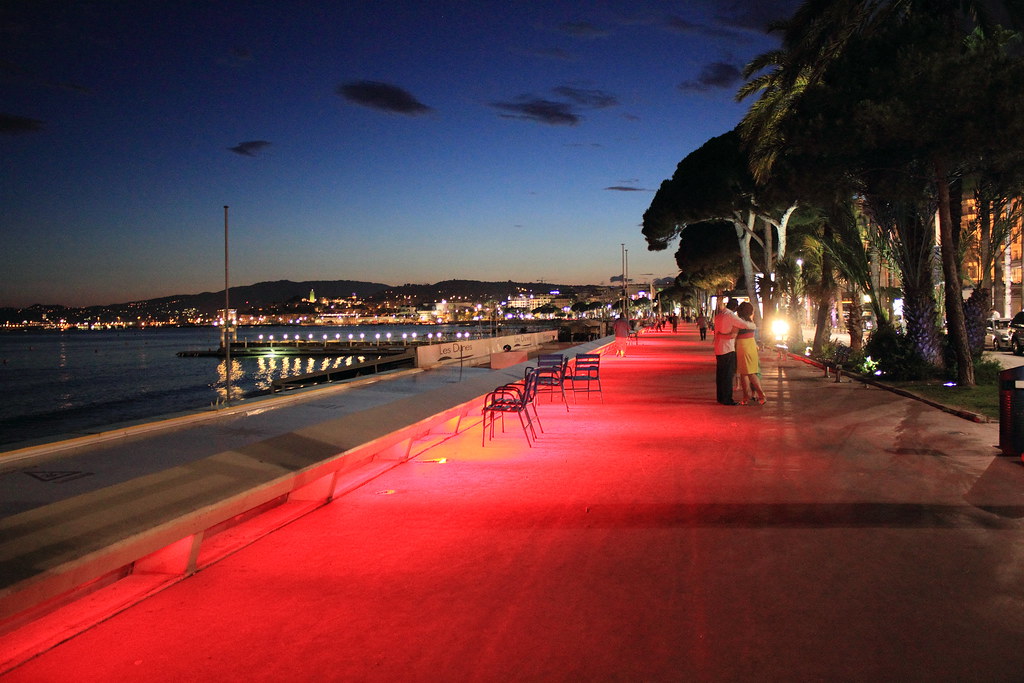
x,y
838,533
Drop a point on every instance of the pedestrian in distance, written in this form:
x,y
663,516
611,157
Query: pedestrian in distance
x,y
621,328
727,323
702,326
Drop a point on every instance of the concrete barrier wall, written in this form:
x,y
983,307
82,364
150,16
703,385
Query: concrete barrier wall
x,y
479,350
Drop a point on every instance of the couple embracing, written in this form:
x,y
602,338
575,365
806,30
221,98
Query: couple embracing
x,y
736,352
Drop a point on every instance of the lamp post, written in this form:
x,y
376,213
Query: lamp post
x,y
227,316
622,308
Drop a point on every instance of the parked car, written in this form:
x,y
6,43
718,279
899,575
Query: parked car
x,y
998,333
1017,334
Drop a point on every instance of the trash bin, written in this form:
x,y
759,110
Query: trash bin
x,y
1011,411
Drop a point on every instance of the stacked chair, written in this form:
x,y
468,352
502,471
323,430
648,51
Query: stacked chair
x,y
553,372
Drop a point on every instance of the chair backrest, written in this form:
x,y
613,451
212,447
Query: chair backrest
x,y
530,388
506,397
550,360
587,360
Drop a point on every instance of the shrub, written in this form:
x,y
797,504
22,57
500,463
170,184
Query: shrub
x,y
987,372
895,356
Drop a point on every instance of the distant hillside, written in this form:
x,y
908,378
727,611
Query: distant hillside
x,y
266,293
263,294
470,289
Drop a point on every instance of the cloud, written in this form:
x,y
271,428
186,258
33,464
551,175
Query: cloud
x,y
595,99
382,96
717,75
14,125
678,24
583,29
237,57
563,112
556,53
250,148
539,110
626,188
756,15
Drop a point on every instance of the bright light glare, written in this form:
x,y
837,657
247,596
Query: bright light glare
x,y
780,328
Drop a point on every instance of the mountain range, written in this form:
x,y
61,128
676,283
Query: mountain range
x,y
264,294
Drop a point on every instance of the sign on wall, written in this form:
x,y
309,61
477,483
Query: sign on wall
x,y
479,350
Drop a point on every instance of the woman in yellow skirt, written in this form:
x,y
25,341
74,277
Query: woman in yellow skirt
x,y
748,366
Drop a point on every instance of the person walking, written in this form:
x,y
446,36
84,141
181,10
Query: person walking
x,y
748,365
726,325
702,325
621,329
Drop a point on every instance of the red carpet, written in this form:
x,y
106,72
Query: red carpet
x,y
655,536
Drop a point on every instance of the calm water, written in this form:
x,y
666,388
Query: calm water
x,y
58,383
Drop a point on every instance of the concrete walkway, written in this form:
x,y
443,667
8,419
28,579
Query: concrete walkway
x,y
837,533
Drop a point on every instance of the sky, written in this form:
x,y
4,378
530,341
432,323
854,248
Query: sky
x,y
394,141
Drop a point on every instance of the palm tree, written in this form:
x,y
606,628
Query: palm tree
x,y
899,109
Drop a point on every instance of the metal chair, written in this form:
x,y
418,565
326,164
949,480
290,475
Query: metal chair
x,y
512,398
550,359
551,376
585,373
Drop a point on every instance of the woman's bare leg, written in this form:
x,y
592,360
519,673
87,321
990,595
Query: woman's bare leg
x,y
755,383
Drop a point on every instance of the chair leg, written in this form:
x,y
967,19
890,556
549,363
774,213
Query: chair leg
x,y
536,417
522,422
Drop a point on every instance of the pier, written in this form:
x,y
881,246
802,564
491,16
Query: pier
x,y
387,363
241,350
381,344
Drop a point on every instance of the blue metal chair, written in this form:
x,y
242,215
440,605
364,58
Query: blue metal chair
x,y
550,372
512,398
584,374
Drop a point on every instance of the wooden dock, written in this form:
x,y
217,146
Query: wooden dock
x,y
369,367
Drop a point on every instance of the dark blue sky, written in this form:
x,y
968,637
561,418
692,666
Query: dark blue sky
x,y
404,141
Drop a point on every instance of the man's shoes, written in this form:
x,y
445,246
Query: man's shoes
x,y
730,403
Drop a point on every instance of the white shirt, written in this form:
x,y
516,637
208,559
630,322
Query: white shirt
x,y
726,324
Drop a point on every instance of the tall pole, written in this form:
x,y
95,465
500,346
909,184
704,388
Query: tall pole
x,y
622,308
227,316
626,282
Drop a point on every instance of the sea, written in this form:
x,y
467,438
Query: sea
x,y
56,383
